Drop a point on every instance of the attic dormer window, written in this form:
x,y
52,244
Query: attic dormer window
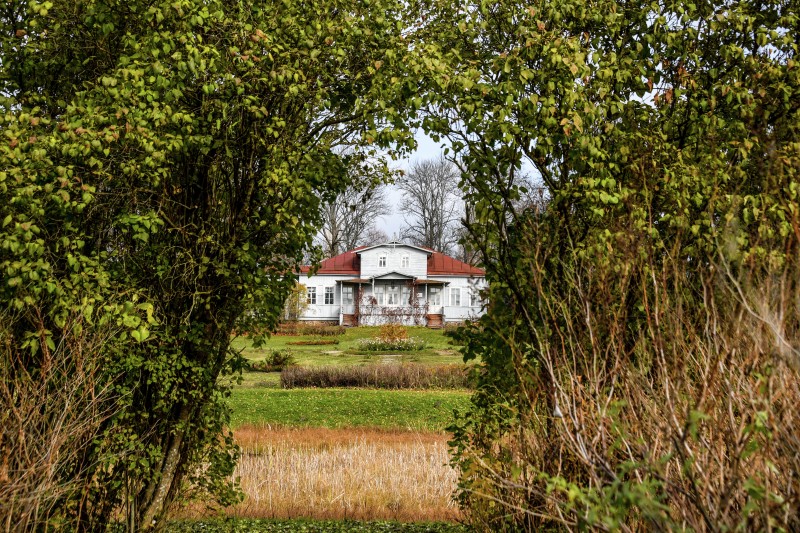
x,y
382,261
404,262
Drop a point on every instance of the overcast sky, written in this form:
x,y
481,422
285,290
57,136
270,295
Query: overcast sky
x,y
426,149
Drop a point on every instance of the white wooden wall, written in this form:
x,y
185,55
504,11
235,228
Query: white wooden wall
x,y
417,261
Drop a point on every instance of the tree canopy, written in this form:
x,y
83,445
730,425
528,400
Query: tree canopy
x,y
666,135
163,165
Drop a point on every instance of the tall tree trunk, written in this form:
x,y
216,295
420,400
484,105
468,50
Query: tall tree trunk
x,y
155,502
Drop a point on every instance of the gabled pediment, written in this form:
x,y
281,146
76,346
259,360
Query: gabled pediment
x,y
393,275
394,246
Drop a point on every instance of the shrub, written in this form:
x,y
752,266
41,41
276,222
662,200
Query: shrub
x,y
379,376
299,328
451,329
288,328
393,333
275,361
313,342
321,330
399,345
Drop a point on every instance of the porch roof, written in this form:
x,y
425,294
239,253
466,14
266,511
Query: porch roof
x,y
393,276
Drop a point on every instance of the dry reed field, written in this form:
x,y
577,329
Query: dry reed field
x,y
361,474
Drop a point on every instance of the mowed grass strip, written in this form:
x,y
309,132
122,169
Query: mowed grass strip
x,y
346,408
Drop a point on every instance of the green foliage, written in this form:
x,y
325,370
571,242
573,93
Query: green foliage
x,y
346,352
161,169
275,361
343,408
296,303
663,142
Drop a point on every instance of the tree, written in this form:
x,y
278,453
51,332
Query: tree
x,y
163,165
296,303
430,204
666,136
374,236
349,220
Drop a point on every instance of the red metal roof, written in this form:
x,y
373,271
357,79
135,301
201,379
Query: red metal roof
x,y
444,265
346,263
438,265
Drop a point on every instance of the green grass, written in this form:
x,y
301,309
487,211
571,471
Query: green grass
x,y
438,351
342,408
240,525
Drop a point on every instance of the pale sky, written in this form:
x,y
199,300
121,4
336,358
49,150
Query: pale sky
x,y
426,149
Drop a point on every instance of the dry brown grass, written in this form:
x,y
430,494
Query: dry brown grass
x,y
357,474
378,375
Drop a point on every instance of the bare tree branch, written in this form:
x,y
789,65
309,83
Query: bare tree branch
x,y
431,205
349,220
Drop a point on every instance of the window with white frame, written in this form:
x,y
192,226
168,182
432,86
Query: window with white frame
x,y
347,294
405,295
328,295
393,295
404,262
435,295
382,261
311,295
455,296
379,290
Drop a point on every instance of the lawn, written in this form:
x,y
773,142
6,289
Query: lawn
x,y
343,408
385,436
437,351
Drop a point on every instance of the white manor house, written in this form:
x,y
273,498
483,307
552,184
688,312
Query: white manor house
x,y
393,282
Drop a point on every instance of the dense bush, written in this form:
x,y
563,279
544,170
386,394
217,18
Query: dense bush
x,y
321,330
451,329
287,328
392,332
275,361
399,345
313,342
379,376
300,328
642,345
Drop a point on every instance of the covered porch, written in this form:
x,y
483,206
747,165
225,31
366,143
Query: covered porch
x,y
391,297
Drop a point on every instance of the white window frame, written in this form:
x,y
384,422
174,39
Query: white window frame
x,y
381,261
405,295
379,294
347,294
455,297
311,295
329,293
392,295
435,296
404,261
